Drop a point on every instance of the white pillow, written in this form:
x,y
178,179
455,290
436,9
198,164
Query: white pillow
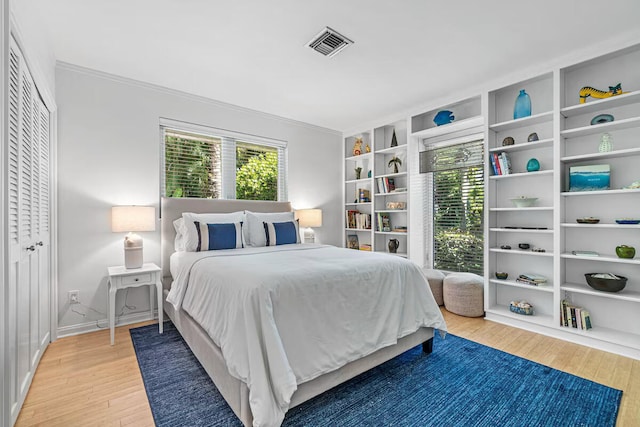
x,y
255,228
179,243
189,229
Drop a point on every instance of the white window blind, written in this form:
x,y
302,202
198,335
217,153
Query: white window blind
x,y
457,175
204,162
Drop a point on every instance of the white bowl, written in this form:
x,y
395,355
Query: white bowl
x,y
524,202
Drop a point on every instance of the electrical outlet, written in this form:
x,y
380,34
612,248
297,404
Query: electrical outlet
x,y
74,297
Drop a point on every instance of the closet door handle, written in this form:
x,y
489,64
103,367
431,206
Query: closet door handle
x,y
39,243
31,248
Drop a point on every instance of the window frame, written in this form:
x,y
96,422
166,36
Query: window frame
x,y
228,142
428,205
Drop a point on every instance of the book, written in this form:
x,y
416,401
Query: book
x,y
384,222
589,178
352,242
496,161
493,164
365,247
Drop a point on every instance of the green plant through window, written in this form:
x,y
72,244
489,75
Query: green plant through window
x,y
458,207
194,166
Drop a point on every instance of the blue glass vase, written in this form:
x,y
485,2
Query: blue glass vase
x,y
523,105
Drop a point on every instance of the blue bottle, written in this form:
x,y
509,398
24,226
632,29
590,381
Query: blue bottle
x,y
523,105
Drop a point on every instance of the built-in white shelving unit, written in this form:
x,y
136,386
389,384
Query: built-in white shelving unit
x,y
383,185
567,139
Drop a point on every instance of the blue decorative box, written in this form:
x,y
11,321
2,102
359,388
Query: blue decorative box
x,y
589,178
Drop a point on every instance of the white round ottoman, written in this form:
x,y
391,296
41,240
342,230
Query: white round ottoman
x,y
463,294
435,278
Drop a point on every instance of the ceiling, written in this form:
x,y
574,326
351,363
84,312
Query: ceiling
x,y
253,53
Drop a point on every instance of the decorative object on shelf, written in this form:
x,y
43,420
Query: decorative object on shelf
x,y
399,229
606,143
589,178
523,105
352,242
367,149
501,275
357,146
627,221
532,137
633,186
506,247
602,118
588,91
524,246
607,282
396,205
587,220
533,165
394,140
369,174
508,141
531,279
521,307
585,253
443,117
393,245
626,252
358,171
395,161
540,250
523,201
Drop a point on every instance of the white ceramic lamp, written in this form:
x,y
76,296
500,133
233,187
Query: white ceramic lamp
x,y
129,219
308,218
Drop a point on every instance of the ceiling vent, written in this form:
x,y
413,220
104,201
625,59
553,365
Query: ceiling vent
x,y
329,42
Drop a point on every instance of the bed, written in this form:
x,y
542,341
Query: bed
x,y
284,338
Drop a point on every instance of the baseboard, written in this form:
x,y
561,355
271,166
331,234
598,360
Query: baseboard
x,y
83,328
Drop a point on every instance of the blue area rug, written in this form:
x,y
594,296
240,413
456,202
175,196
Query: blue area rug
x,y
461,383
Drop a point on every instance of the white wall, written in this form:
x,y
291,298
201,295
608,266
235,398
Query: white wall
x,y
109,154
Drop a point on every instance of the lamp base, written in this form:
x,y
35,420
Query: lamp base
x,y
133,257
309,236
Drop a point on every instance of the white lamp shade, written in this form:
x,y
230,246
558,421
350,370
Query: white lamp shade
x,y
309,217
133,218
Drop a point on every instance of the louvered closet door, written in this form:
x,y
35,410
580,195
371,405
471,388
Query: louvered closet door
x,y
28,229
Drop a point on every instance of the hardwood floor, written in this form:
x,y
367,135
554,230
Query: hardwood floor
x,y
83,381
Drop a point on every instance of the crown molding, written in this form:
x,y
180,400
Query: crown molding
x,y
197,98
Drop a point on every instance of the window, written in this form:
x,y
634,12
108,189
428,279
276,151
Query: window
x,y
457,179
210,163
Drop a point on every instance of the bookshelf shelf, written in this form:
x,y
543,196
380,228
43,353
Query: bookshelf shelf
x,y
541,288
379,139
523,174
624,295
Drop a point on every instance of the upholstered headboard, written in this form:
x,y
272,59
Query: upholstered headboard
x,y
172,209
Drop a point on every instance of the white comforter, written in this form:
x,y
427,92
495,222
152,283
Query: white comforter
x,y
284,315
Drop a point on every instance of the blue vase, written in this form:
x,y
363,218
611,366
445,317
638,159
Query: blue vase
x,y
523,105
533,165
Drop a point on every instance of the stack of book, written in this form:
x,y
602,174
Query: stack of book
x,y
385,185
358,220
531,279
364,195
500,163
574,317
365,247
384,222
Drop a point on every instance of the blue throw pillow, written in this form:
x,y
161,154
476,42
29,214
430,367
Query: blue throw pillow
x,y
213,237
281,233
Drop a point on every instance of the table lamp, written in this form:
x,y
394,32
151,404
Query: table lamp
x,y
129,219
308,218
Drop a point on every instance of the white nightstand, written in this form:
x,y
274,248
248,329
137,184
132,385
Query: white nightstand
x,y
121,278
